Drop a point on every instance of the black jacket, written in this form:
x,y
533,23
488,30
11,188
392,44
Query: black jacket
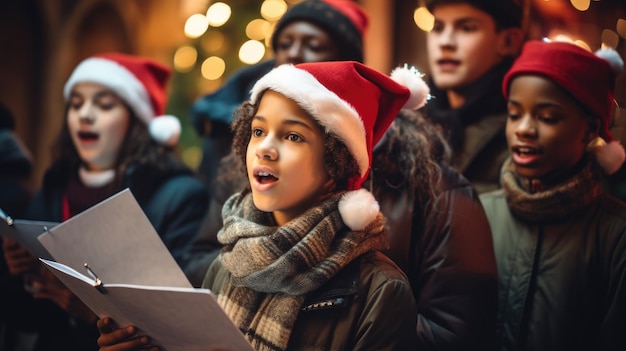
x,y
444,245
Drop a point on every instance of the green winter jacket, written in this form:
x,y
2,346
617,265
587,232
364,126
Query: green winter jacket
x,y
562,284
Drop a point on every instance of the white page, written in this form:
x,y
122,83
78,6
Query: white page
x,y
177,319
118,242
25,232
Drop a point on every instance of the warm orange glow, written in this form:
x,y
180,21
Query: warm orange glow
x,y
424,19
213,68
581,5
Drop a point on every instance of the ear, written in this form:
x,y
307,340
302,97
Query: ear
x,y
329,186
510,41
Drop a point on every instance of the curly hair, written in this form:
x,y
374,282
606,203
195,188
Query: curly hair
x,y
408,157
138,147
339,163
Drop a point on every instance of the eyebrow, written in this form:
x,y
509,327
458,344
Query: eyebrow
x,y
287,122
540,105
461,20
97,95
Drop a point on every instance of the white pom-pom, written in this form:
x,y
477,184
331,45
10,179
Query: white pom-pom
x,y
610,156
165,129
412,79
358,208
613,58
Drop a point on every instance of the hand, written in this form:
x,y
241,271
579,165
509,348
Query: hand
x,y
113,338
18,259
51,288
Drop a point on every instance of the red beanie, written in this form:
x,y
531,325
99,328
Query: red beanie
x,y
588,77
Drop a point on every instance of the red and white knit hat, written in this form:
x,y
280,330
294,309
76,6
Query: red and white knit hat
x,y
589,77
139,81
356,104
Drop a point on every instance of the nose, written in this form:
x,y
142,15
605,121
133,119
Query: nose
x,y
526,128
295,53
267,150
86,113
447,38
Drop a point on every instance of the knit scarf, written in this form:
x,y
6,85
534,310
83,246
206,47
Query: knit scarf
x,y
549,203
273,268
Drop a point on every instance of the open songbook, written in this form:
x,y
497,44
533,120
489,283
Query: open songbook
x,y
25,232
138,281
175,318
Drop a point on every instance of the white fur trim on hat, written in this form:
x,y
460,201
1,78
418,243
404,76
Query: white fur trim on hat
x,y
328,109
411,78
358,208
165,129
610,156
117,78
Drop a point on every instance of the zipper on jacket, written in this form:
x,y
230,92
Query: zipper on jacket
x,y
325,304
532,287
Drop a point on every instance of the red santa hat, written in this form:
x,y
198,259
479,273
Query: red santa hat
x,y
588,77
139,81
356,104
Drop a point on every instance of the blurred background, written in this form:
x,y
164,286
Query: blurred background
x,y
205,41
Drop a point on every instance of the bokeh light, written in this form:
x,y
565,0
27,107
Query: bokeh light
x,y
581,5
185,58
620,27
272,10
582,44
424,19
218,14
213,68
258,29
251,52
196,25
609,38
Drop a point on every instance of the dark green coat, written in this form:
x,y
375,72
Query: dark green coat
x,y
562,285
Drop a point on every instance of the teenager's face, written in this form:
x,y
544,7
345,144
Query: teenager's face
x,y
547,131
302,41
285,159
463,45
98,121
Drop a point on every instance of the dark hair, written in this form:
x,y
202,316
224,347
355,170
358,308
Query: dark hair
x,y
338,161
505,13
408,157
138,147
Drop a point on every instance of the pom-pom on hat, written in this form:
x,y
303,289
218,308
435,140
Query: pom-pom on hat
x,y
345,20
354,102
588,77
139,81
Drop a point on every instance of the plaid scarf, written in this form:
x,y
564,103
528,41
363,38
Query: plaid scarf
x,y
272,268
553,203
